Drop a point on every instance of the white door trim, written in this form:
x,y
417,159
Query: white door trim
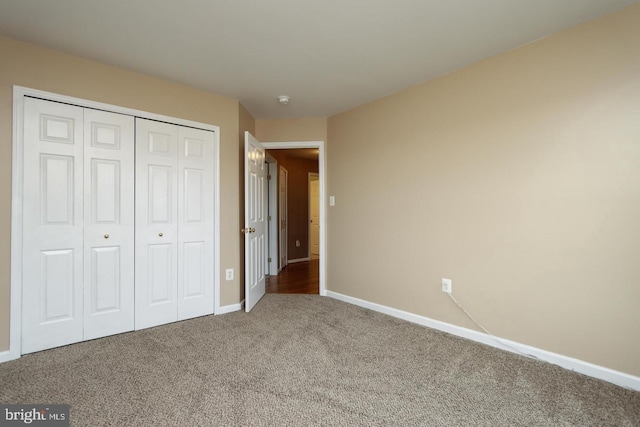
x,y
17,184
320,145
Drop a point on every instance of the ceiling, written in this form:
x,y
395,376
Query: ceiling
x,y
327,56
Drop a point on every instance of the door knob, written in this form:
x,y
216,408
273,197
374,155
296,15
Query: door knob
x,y
160,234
106,236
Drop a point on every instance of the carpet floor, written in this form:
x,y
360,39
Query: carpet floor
x,y
300,360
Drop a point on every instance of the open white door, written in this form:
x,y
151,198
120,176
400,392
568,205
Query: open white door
x,y
255,172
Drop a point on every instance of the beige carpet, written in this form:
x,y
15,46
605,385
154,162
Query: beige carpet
x,y
306,360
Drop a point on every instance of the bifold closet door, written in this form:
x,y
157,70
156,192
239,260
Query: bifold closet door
x,y
52,259
195,222
108,223
174,223
156,223
78,189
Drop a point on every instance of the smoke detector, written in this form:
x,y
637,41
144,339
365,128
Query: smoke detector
x,y
283,99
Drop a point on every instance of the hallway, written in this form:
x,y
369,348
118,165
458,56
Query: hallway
x,y
298,278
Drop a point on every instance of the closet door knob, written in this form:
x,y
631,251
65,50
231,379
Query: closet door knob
x,y
106,236
160,234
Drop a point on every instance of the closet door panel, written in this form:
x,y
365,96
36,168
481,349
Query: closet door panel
x,y
156,246
195,219
109,223
52,225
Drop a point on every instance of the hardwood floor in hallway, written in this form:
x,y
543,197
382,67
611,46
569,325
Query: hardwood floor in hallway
x,y
298,278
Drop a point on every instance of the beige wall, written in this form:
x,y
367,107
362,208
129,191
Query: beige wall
x,y
38,68
287,130
517,177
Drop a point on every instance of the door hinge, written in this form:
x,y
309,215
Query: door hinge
x,y
269,218
268,177
268,259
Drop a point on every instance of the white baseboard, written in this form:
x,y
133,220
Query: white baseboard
x,y
6,356
231,308
293,261
586,368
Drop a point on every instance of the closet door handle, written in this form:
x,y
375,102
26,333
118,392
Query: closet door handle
x,y
160,234
106,236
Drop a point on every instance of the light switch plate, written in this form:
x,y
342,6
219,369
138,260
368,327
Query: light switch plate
x,y
446,285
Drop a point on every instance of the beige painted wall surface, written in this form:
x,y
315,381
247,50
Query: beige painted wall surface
x,y
247,123
27,65
517,177
287,130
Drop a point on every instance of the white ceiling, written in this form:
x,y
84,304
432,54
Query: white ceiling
x,y
328,56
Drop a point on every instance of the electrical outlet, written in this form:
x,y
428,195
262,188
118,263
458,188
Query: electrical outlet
x,y
298,243
229,274
446,285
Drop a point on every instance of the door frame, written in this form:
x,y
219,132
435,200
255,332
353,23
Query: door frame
x,y
17,187
322,171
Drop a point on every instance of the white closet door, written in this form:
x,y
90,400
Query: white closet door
x,y
195,222
52,225
156,223
109,222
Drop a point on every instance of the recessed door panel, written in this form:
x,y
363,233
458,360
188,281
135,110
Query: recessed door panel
x,y
194,269
160,193
193,195
106,135
57,282
59,129
105,178
160,284
105,280
57,189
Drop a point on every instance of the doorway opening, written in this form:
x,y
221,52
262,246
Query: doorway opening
x,y
301,235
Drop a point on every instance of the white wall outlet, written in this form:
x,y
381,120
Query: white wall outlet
x,y
229,274
446,285
298,243
332,200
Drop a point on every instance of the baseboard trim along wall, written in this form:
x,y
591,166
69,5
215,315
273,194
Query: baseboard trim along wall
x,y
586,368
231,308
6,356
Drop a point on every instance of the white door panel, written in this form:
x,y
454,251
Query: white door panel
x,y
109,223
156,232
52,225
255,171
195,222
